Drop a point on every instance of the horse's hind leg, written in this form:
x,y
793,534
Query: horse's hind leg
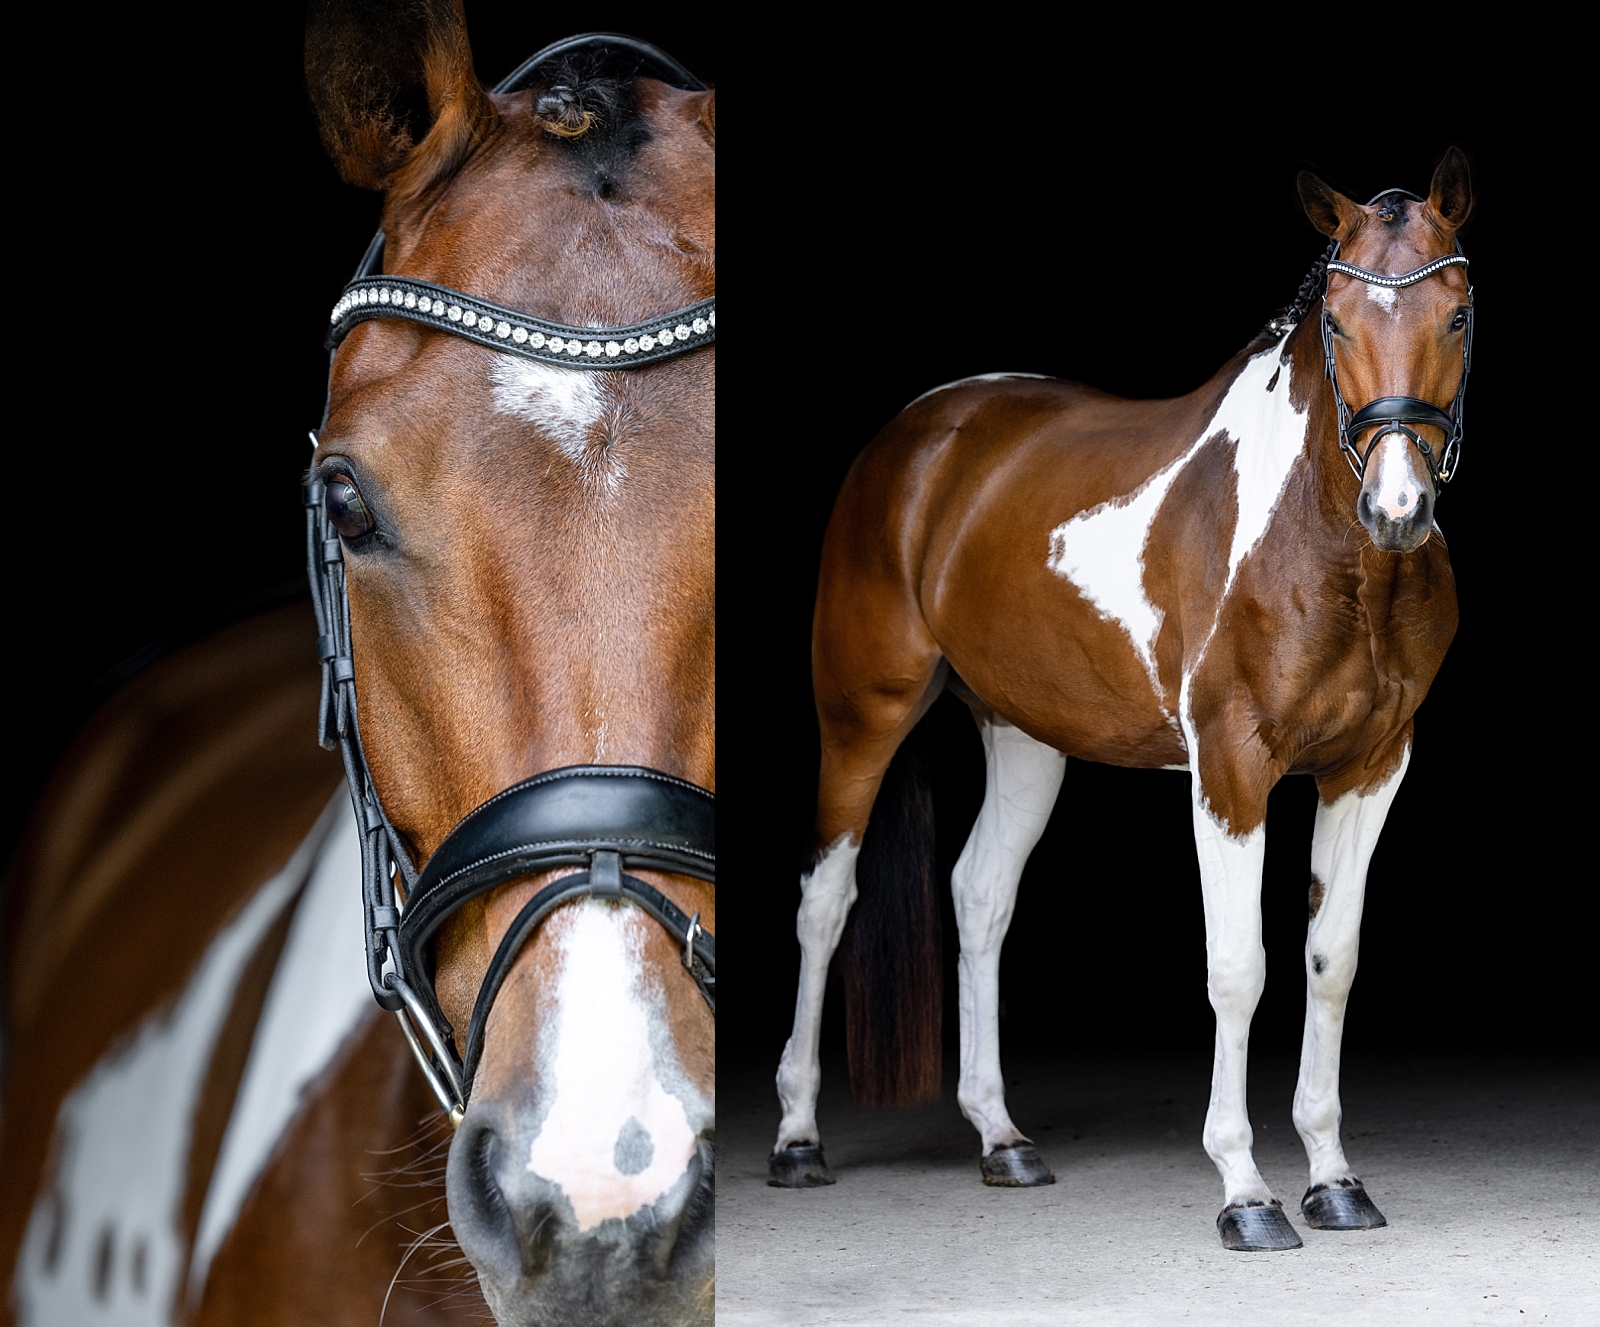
x,y
1023,779
873,683
1341,847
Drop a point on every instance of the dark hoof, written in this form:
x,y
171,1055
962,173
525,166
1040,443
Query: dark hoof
x,y
799,1167
1256,1229
1328,1208
1016,1167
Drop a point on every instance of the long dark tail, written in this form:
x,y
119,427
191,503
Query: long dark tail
x,y
892,949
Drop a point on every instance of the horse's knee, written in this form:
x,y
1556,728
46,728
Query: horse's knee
x,y
1235,983
1330,972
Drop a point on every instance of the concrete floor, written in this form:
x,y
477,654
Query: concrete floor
x,y
1487,1166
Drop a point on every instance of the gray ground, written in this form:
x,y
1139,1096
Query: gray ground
x,y
1486,1165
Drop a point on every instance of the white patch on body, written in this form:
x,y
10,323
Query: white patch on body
x,y
977,377
826,894
318,997
104,1242
1383,297
615,1139
1102,550
1396,492
1023,780
1341,848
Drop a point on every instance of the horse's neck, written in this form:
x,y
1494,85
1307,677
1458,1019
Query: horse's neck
x,y
1295,488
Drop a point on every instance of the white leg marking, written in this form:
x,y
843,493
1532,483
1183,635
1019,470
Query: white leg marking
x,y
826,893
318,997
623,1121
1236,973
104,1242
1102,550
1023,779
1341,848
1396,492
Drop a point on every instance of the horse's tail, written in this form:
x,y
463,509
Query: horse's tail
x,y
893,955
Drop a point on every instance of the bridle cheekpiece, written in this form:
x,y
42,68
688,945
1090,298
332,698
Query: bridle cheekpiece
x,y
607,820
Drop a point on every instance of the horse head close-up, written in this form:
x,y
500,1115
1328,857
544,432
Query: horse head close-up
x,y
510,537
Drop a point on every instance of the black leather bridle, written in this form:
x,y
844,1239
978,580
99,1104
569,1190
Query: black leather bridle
x,y
1394,414
607,819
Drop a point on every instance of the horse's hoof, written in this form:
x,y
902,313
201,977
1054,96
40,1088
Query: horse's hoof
x,y
1018,1166
1328,1208
798,1167
1256,1229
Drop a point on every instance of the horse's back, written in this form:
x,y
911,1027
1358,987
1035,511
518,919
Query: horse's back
x,y
155,896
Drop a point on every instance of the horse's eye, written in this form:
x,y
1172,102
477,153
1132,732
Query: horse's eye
x,y
1459,321
1333,326
346,512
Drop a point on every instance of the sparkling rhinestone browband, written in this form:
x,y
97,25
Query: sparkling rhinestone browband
x,y
1395,282
518,334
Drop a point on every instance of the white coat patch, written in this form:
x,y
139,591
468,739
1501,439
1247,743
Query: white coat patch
x,y
1102,550
104,1243
615,1139
318,997
1384,297
566,404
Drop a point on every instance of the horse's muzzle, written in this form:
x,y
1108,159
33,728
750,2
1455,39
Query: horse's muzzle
x,y
536,1264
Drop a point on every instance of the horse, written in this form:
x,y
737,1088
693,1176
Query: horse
x,y
1244,583
510,539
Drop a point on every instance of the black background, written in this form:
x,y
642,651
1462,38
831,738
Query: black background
x,y
1008,200
897,213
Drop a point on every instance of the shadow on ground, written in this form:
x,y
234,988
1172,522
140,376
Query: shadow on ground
x,y
1487,1166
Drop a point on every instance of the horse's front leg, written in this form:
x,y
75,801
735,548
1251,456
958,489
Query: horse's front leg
x,y
1346,832
1251,1219
1023,779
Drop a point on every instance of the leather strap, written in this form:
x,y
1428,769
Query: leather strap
x,y
1401,410
653,821
603,880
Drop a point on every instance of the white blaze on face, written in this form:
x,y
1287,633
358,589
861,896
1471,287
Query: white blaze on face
x,y
1395,492
615,1139
1384,297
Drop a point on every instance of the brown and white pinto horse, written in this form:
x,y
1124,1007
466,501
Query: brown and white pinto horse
x,y
198,1089
1199,584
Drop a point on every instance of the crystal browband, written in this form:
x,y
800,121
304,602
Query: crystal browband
x,y
518,334
1396,282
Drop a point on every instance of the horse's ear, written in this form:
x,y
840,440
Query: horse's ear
x,y
393,88
708,117
1450,194
1330,211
